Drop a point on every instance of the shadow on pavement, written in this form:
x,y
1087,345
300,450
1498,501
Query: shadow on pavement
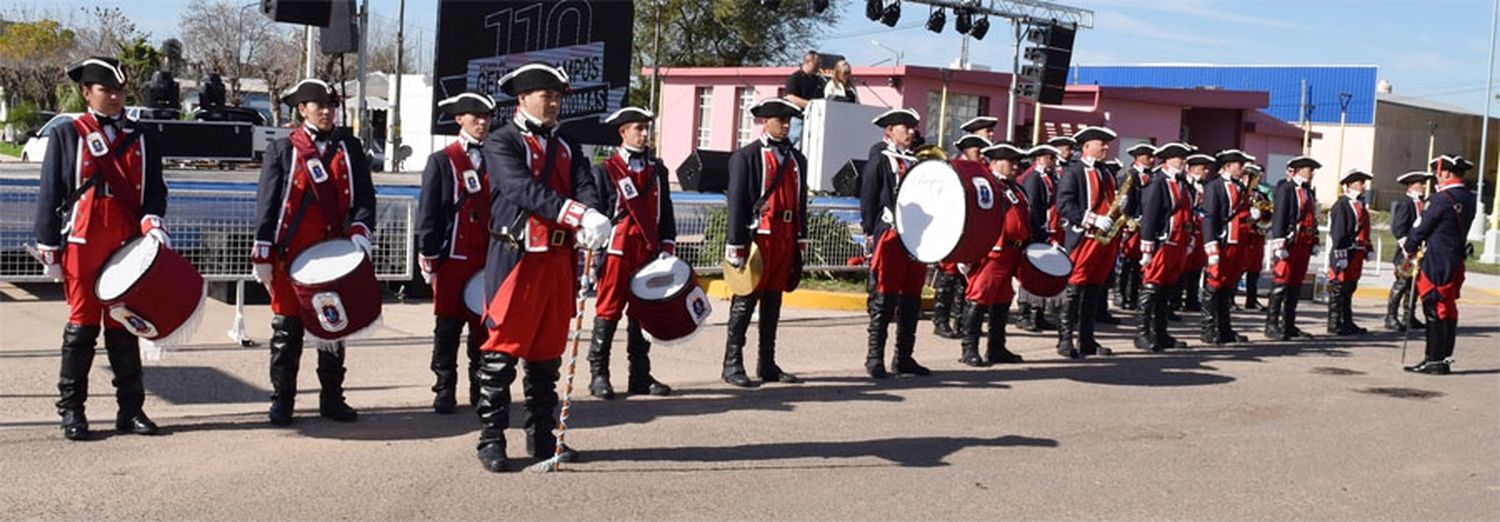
x,y
917,452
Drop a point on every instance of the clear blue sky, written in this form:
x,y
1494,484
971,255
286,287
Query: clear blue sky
x,y
1435,49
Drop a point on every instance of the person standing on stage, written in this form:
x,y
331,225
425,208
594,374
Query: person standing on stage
x,y
314,186
949,285
540,183
767,207
101,186
896,279
802,87
1085,193
1226,226
1166,230
990,288
1440,237
453,238
1349,244
1404,212
1293,240
633,186
1255,241
1128,290
1040,184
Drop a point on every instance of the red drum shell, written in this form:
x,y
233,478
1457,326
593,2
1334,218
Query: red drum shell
x,y
151,293
338,305
669,315
947,212
1044,270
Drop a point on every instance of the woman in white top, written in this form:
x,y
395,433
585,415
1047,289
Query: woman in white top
x,y
840,86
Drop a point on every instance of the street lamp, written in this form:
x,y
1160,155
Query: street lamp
x,y
899,54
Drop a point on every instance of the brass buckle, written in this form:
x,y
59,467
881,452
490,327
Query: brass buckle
x,y
559,237
786,216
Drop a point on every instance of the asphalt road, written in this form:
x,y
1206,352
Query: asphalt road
x,y
1328,429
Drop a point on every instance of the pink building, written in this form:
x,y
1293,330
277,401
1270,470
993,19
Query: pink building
x,y
707,108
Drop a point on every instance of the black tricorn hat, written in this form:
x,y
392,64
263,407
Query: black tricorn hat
x,y
775,108
468,103
891,117
310,90
99,69
979,122
534,76
971,140
628,115
1003,151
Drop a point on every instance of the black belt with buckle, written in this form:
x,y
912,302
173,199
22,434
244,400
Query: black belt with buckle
x,y
786,216
558,237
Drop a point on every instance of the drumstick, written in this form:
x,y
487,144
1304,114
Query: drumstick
x,y
584,279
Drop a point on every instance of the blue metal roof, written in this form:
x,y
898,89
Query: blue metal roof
x,y
1284,83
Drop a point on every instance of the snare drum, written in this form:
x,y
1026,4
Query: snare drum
x,y
1045,271
336,289
474,294
666,300
947,212
151,290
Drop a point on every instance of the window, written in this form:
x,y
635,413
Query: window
x,y
746,122
705,115
961,107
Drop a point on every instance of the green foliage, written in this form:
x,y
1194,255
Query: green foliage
x,y
24,115
32,57
139,59
69,98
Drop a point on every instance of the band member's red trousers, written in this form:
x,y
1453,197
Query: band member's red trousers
x,y
1446,294
614,279
1166,266
894,270
532,308
1232,262
1092,262
1293,269
990,281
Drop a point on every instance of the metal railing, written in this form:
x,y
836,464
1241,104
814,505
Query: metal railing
x,y
833,232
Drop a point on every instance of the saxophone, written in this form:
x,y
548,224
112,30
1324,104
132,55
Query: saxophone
x,y
1116,210
1259,202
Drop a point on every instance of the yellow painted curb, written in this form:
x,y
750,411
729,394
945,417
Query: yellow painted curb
x,y
1489,297
818,299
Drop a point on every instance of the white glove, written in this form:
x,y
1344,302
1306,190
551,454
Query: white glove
x,y
1103,222
1341,264
1281,253
160,235
262,273
963,268
1146,259
51,265
1254,214
363,242
153,227
1213,260
734,255
428,266
593,229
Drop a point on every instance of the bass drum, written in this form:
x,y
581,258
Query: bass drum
x,y
1044,271
666,300
947,212
151,290
336,289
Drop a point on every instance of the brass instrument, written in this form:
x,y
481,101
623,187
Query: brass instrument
x,y
927,152
1409,268
1259,201
1116,210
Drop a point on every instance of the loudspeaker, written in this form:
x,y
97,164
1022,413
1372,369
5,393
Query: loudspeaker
x,y
305,12
342,33
1059,49
846,180
705,171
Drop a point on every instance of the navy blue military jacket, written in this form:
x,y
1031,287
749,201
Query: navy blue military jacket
x,y
60,178
515,195
1039,197
877,190
1403,217
1343,225
1287,209
1132,205
746,177
1076,197
1158,206
275,177
1445,227
1218,211
437,205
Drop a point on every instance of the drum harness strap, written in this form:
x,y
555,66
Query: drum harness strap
x,y
308,197
507,235
66,206
765,196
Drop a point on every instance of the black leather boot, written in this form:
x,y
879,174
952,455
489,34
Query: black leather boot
x,y
740,309
445,339
599,346
478,334
1393,308
765,364
973,316
1145,333
1101,306
1192,284
1226,328
286,359
1439,343
1208,318
1088,343
1348,311
995,351
1164,338
1289,313
1024,316
1335,309
124,351
1071,312
908,314
73,378
881,308
1252,290
1130,285
540,418
1274,306
959,308
496,373
638,350
1040,320
944,301
331,370
1174,298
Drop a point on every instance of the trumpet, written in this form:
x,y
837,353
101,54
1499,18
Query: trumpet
x,y
1116,210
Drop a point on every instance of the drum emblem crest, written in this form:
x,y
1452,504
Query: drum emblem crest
x,y
330,311
984,194
135,323
697,305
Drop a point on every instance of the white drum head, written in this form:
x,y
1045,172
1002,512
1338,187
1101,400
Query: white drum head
x,y
1049,259
474,294
326,261
125,267
660,279
930,210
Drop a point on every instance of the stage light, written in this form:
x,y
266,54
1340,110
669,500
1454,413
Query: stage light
x,y
981,28
936,20
892,14
873,9
964,21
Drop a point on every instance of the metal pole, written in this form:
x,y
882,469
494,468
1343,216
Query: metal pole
x,y
1306,120
393,153
656,69
361,61
963,54
943,110
1484,132
1344,98
1015,73
1036,124
310,67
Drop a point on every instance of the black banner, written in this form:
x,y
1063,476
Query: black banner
x,y
480,41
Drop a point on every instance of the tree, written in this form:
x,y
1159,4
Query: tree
x,y
139,59
280,65
695,33
105,31
32,58
225,37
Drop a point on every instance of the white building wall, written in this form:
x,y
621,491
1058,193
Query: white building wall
x,y
1359,152
416,124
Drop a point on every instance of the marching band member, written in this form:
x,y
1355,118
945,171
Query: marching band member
x,y
634,187
1404,212
1255,241
1349,238
969,146
990,282
767,205
1101,308
1293,240
949,285
1166,230
1226,227
314,186
101,186
1129,290
539,183
1184,295
1441,230
982,126
453,219
896,279
1040,185
1085,193
1065,146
